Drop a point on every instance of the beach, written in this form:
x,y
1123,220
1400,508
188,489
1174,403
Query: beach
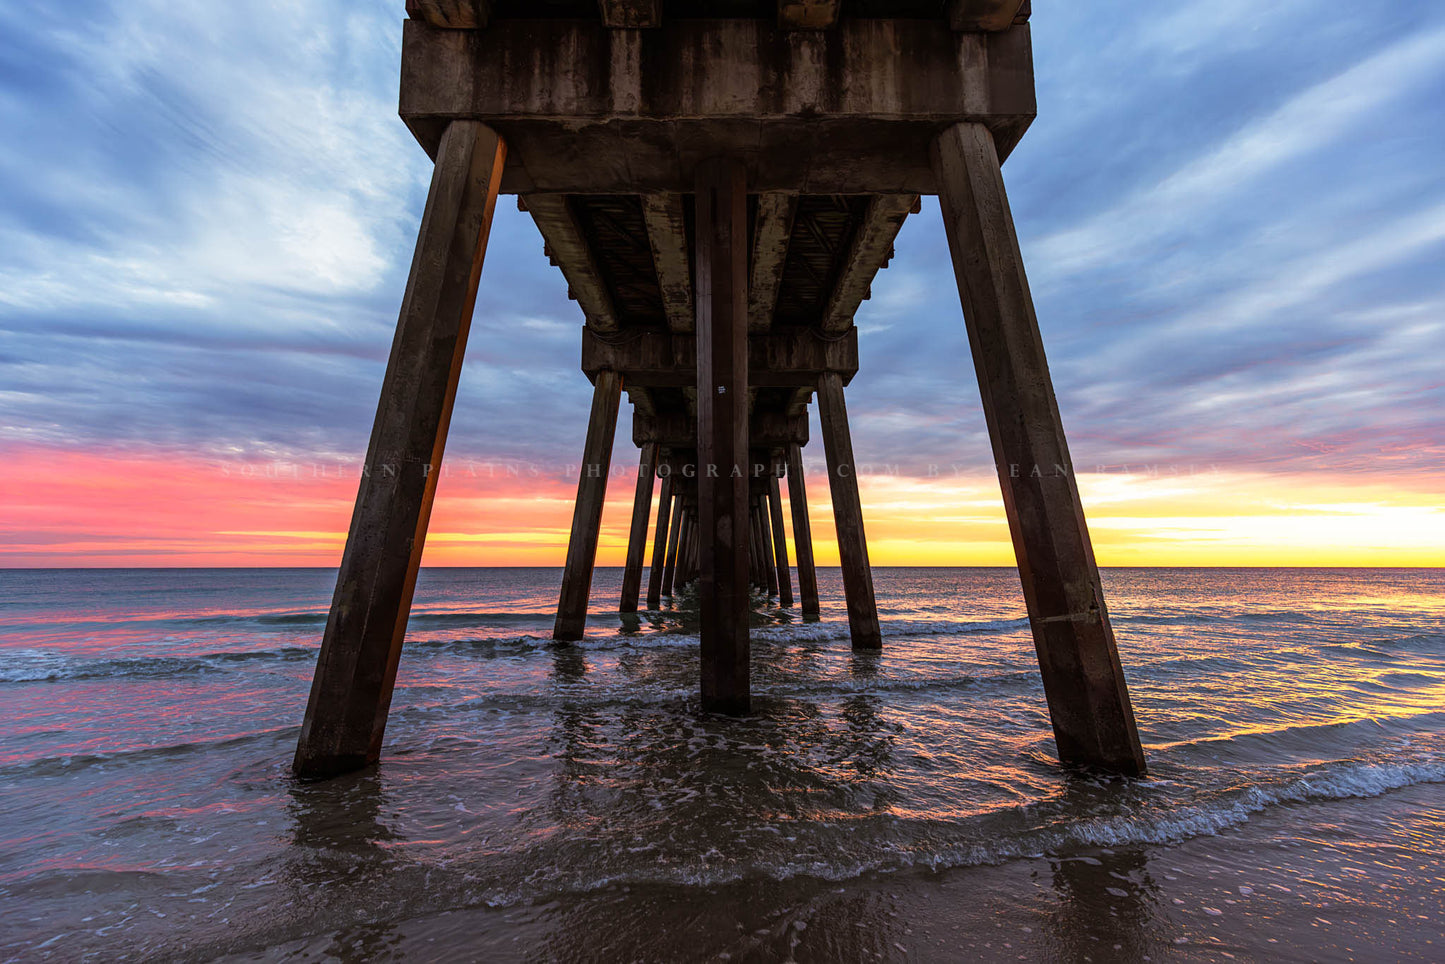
x,y
537,802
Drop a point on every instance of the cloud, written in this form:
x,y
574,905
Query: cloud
x,y
1308,122
1231,214
205,159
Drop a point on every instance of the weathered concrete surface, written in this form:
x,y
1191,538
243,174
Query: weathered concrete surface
x,y
587,513
848,515
1083,680
451,14
755,569
802,531
765,544
588,109
770,250
351,691
780,542
872,248
808,14
669,566
986,14
775,359
631,13
675,429
637,536
721,220
687,548
659,545
667,235
564,244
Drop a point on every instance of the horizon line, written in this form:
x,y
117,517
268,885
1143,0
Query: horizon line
x,y
4,568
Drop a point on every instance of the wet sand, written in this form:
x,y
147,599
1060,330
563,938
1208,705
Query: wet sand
x,y
1365,882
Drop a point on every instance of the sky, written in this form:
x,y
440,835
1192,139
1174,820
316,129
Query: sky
x,y
1233,215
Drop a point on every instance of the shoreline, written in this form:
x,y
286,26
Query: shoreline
x,y
1278,888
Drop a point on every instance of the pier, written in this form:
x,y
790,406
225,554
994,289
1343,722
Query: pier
x,y
719,183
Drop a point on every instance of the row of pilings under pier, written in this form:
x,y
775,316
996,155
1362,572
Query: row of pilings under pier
x,y
719,186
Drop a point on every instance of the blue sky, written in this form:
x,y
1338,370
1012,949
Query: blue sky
x,y
1233,215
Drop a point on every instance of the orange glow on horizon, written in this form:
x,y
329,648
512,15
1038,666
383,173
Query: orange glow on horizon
x,y
74,508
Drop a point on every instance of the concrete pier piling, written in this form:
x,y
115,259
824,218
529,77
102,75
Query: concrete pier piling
x,y
1083,679
802,531
587,513
780,543
848,515
637,535
659,545
720,214
669,565
351,690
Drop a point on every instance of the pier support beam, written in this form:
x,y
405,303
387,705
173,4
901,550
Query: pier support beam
x,y
669,566
691,557
765,549
587,514
1084,683
637,537
721,246
780,542
802,531
755,571
848,514
765,545
752,555
351,691
681,571
659,546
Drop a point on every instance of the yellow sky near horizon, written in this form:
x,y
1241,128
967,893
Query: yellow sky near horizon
x,y
94,509
1208,519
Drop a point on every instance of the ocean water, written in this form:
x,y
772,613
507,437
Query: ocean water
x,y
544,802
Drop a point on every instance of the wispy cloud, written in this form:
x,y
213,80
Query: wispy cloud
x,y
1306,123
1233,217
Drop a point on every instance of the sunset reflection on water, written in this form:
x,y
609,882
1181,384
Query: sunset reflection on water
x,y
575,801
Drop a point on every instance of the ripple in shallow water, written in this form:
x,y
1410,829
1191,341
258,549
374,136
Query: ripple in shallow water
x,y
145,763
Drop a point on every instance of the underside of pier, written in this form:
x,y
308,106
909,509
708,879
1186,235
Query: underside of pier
x,y
719,183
